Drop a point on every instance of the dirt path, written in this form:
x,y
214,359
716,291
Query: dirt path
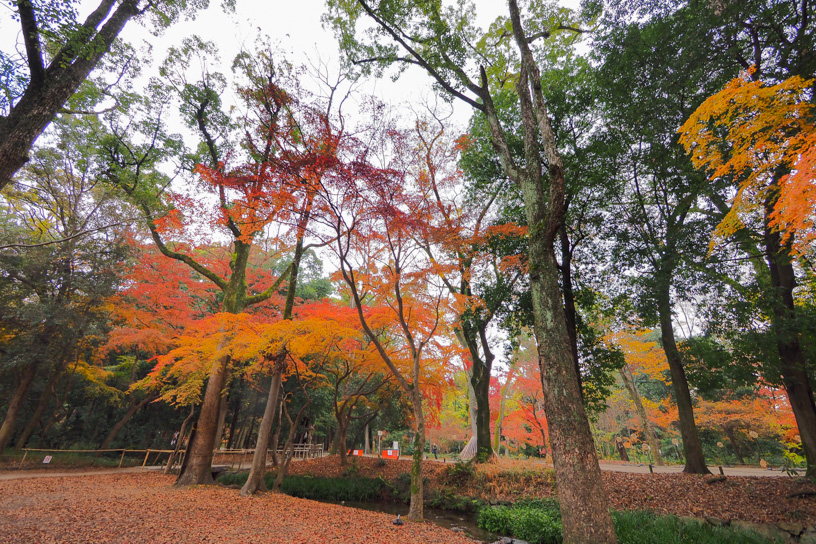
x,y
62,473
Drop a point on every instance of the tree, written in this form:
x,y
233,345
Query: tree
x,y
770,135
443,42
60,53
469,247
242,209
645,358
662,235
400,310
58,264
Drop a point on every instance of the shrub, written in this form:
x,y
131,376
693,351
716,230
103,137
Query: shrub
x,y
527,522
539,522
309,487
635,527
459,473
447,499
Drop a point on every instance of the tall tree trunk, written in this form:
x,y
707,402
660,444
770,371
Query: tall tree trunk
x,y
7,428
584,505
222,418
648,429
580,492
624,455
197,468
273,446
791,357
481,390
236,411
341,439
692,449
366,443
729,432
288,449
134,407
255,482
415,510
179,440
570,313
42,404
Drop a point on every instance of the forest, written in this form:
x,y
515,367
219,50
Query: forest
x,y
591,240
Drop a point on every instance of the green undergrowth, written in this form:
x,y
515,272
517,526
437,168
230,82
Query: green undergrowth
x,y
539,522
320,489
447,499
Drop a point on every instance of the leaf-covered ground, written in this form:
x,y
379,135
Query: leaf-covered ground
x,y
146,508
752,499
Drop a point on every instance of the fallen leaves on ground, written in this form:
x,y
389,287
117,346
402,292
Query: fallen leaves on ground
x,y
754,499
146,508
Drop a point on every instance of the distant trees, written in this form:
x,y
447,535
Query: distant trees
x,y
63,247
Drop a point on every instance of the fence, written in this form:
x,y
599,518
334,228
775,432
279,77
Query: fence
x,y
220,457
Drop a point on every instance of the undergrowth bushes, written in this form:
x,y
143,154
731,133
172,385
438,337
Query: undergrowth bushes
x,y
325,489
539,522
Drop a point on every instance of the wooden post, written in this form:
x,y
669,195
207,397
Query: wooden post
x,y
122,458
22,460
145,459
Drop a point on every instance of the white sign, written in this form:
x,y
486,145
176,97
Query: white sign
x,y
396,445
379,433
47,459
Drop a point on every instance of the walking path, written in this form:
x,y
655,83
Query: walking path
x,y
676,469
611,467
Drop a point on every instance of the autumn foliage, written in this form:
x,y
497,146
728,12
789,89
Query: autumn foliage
x,y
763,136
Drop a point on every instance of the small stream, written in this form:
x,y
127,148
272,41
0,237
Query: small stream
x,y
456,521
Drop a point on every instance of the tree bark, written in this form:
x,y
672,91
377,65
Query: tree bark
x,y
791,357
481,391
273,446
648,429
198,461
222,418
583,502
570,313
366,442
288,450
7,428
624,455
43,99
340,440
732,439
171,460
255,482
416,508
692,449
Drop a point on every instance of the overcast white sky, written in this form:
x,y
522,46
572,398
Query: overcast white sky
x,y
295,23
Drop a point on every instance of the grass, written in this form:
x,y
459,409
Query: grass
x,y
321,489
539,522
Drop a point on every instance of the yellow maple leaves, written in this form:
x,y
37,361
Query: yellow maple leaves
x,y
763,137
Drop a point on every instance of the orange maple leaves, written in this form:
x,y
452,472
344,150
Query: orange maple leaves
x,y
764,137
